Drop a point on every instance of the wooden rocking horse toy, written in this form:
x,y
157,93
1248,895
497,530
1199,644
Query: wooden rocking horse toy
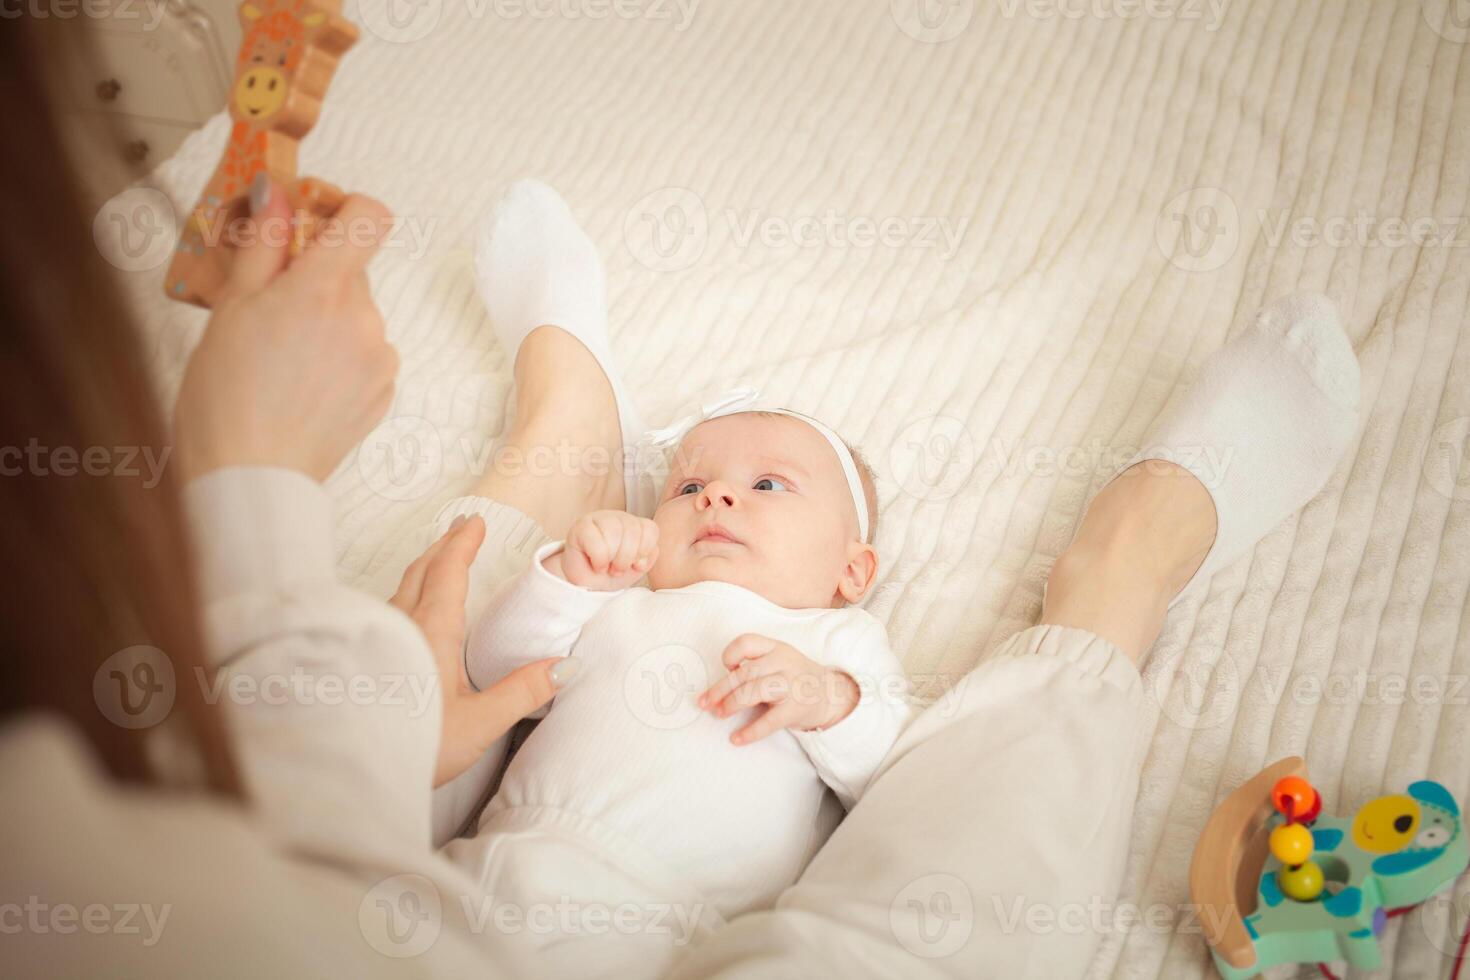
x,y
1276,881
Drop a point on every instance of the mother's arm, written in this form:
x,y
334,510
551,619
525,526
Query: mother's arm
x,y
333,699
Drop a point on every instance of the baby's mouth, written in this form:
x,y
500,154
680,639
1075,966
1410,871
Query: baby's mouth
x,y
715,532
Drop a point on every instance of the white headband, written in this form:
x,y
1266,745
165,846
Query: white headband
x,y
743,400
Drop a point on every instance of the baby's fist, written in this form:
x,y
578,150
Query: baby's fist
x,y
607,550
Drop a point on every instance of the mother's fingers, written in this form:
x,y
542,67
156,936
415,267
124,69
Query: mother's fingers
x,y
518,693
447,582
265,250
346,241
411,587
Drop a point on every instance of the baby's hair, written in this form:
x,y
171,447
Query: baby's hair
x,y
865,477
870,489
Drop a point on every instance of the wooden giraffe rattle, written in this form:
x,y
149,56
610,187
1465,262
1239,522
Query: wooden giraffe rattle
x,y
287,58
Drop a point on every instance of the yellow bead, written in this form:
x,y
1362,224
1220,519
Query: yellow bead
x,y
1291,843
1303,883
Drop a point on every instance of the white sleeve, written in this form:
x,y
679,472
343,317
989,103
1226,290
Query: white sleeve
x,y
331,696
532,616
848,754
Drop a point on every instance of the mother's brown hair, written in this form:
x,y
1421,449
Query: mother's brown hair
x,y
95,563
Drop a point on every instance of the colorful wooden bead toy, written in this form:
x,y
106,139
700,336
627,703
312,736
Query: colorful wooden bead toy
x,y
1291,843
1295,798
1275,881
287,58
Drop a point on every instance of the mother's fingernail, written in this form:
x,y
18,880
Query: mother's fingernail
x,y
562,674
454,524
260,193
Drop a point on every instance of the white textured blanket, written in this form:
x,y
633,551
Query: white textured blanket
x,y
988,240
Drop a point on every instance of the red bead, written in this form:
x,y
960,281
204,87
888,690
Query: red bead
x,y
1303,804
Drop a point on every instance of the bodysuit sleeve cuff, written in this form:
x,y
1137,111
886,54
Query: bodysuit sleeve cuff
x,y
553,591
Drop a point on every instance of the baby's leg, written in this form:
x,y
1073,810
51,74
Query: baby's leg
x,y
993,841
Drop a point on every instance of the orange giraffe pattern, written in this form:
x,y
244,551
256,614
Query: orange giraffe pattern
x,y
288,55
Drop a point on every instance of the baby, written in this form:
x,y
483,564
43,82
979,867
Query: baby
x,y
715,707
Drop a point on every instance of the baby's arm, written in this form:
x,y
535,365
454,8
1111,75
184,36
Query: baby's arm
x,y
847,755
541,612
845,714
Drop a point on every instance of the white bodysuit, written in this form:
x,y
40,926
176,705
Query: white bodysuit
x,y
626,767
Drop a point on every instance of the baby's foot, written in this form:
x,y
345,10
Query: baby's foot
x,y
535,267
1265,423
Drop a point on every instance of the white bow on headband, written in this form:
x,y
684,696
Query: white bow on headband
x,y
744,399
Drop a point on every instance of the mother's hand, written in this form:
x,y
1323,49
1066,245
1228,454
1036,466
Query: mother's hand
x,y
293,369
433,594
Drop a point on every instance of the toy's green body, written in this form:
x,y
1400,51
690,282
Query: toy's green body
x,y
1395,851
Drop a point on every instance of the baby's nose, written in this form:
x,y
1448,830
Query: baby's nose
x,y
716,492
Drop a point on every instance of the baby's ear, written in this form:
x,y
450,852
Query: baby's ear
x,y
860,573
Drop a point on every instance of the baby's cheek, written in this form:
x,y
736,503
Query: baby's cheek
x,y
660,576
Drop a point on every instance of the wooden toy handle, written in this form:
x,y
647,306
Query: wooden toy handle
x,y
1226,868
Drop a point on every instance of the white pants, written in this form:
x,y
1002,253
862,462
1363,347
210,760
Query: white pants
x,y
998,823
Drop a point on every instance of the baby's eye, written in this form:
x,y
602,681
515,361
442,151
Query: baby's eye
x,y
769,483
693,486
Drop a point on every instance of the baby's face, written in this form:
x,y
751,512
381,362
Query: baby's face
x,y
761,502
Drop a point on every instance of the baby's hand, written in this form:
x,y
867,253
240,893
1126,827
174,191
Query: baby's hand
x,y
606,550
798,692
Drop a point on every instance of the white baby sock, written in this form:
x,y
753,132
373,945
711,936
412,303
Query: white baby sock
x,y
536,267
1265,423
